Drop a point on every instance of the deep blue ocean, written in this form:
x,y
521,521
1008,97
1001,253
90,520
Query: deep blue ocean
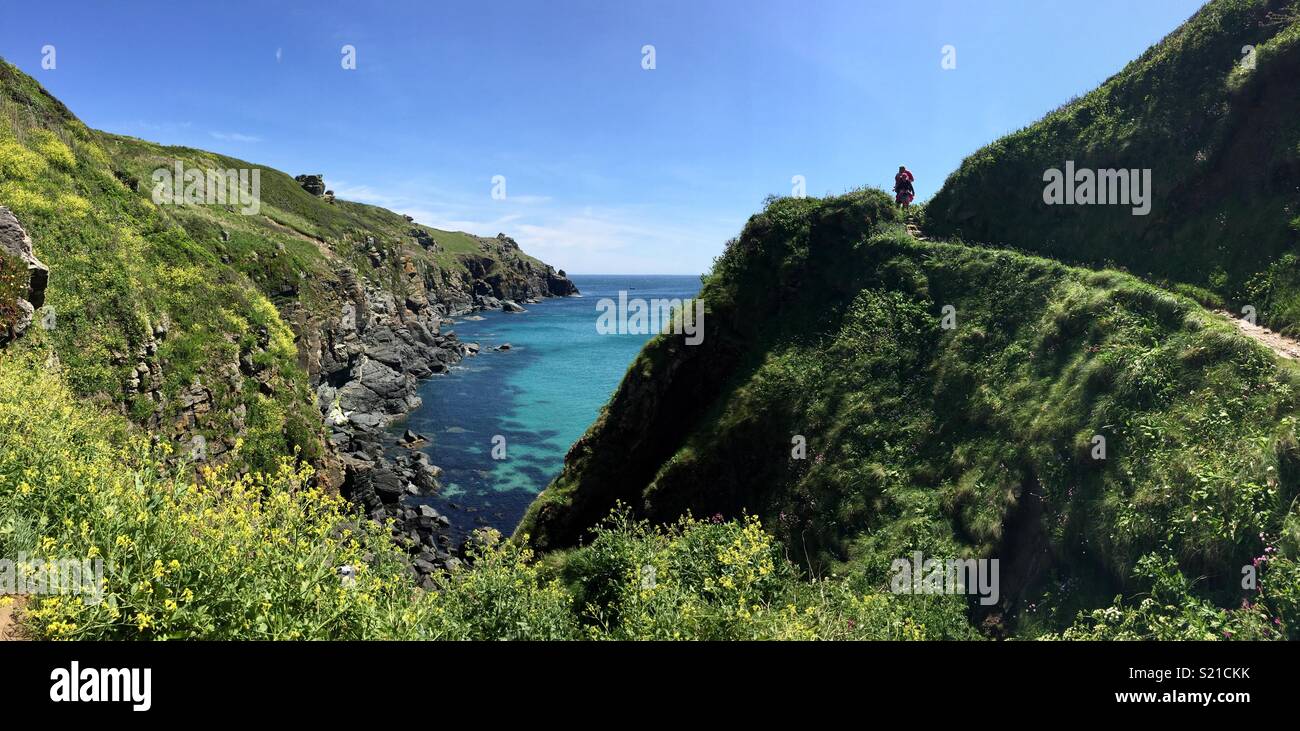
x,y
541,395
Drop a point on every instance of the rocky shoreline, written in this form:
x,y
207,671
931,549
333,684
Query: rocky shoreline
x,y
379,327
368,362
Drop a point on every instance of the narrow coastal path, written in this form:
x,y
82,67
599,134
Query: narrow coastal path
x,y
1283,346
1288,348
913,230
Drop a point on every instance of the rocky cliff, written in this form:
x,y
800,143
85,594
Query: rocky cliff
x,y
366,355
23,278
237,329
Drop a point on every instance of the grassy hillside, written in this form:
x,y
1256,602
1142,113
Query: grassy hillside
x,y
1222,141
128,284
187,317
218,556
825,321
287,213
1127,455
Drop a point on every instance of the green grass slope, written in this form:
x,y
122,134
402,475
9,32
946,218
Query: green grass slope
x,y
1222,141
825,322
202,294
288,213
122,269
218,556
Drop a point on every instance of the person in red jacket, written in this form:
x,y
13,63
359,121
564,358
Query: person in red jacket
x,y
903,191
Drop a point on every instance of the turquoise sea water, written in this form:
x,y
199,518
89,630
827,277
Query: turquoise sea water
x,y
541,395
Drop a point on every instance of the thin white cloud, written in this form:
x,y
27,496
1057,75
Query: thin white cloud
x,y
624,239
364,194
501,224
235,137
528,200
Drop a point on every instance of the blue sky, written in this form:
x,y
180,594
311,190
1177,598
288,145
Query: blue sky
x,y
609,168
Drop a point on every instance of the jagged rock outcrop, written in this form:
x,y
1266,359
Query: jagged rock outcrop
x,y
199,415
314,184
558,283
366,359
382,328
500,272
361,300
23,278
366,353
425,240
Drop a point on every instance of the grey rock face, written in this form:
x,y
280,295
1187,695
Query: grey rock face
x,y
367,356
16,250
314,184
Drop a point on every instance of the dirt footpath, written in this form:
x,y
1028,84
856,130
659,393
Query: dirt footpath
x,y
10,606
1280,344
